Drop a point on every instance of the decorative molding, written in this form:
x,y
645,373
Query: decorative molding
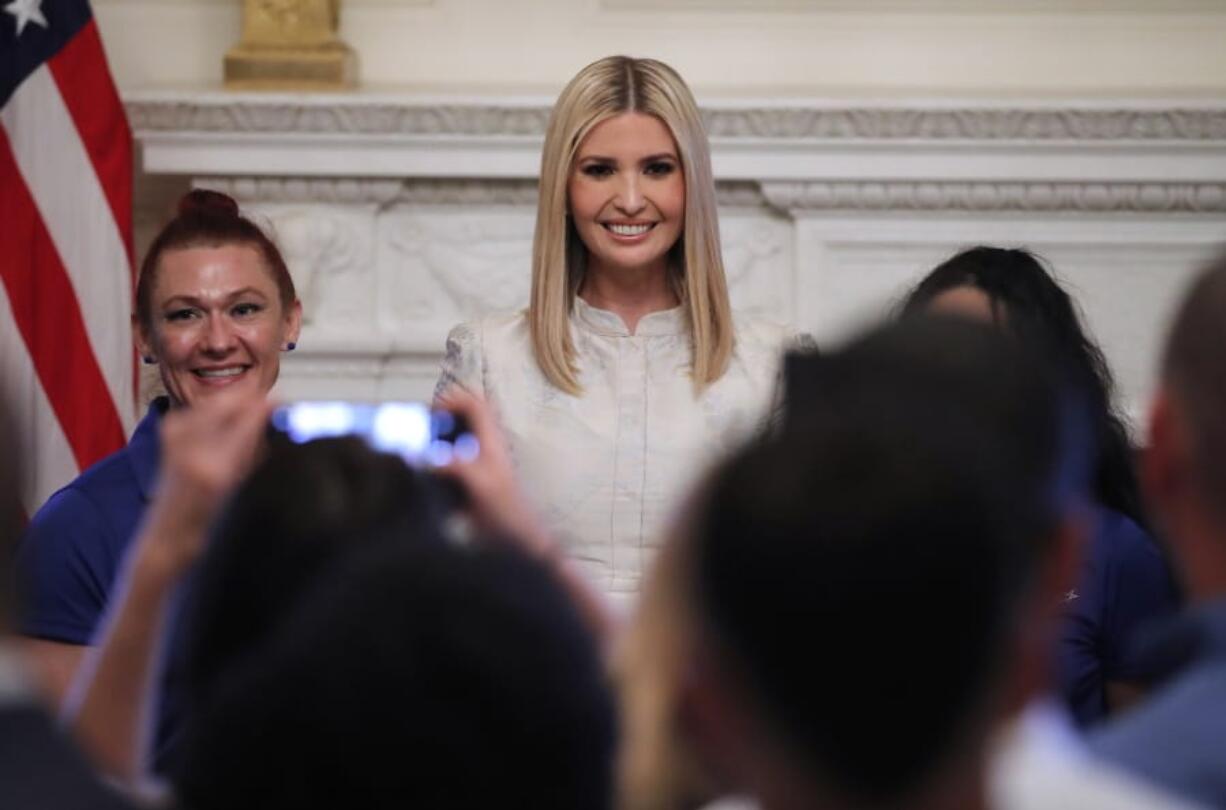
x,y
386,191
968,123
739,194
784,197
1153,198
330,115
373,191
822,121
390,137
314,190
469,192
524,192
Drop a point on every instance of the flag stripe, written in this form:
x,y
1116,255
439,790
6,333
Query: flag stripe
x,y
65,191
48,459
94,105
45,311
21,55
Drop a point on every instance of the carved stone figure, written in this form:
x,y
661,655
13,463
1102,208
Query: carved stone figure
x,y
290,45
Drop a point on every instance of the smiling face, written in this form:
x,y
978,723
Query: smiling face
x,y
627,193
217,322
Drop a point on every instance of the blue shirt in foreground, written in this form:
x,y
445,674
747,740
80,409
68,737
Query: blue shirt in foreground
x,y
1177,738
71,554
1124,584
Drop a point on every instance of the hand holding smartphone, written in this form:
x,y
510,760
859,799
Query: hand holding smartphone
x,y
422,436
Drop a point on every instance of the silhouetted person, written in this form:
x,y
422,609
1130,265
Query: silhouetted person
x,y
874,586
1178,738
1124,581
413,676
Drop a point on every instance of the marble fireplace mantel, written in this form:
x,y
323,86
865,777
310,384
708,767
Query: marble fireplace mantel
x,y
404,213
383,135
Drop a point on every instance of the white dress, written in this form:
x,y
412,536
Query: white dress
x,y
607,469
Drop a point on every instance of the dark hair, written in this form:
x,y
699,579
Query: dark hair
x,y
208,219
861,568
303,509
1031,305
1194,367
414,677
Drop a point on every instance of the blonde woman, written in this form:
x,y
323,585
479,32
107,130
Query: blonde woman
x,y
628,372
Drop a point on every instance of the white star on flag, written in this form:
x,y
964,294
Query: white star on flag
x,y
26,11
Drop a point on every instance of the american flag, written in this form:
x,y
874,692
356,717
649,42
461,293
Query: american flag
x,y
66,354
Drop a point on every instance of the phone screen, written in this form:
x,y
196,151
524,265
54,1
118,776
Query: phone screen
x,y
411,430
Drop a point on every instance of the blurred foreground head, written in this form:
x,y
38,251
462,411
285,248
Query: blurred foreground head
x,y
860,575
1185,465
343,653
414,676
300,513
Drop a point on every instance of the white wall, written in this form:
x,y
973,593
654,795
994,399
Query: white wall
x,y
756,47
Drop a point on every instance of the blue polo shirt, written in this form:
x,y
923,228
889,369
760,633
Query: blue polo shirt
x,y
1177,738
1124,584
71,552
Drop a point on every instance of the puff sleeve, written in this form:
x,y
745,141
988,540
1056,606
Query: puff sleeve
x,y
462,361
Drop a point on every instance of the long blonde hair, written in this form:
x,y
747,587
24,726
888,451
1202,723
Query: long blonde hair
x,y
602,90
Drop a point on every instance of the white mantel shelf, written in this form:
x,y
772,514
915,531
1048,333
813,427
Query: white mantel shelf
x,y
1161,145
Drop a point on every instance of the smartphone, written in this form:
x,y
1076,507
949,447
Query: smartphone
x,y
412,430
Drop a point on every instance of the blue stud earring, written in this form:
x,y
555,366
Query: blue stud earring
x,y
148,359
289,347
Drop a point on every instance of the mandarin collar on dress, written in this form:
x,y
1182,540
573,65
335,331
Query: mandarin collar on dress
x,y
603,322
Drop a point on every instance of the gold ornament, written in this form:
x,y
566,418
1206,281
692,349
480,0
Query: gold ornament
x,y
290,45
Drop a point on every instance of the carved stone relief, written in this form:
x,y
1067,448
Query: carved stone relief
x,y
448,265
758,263
441,266
329,250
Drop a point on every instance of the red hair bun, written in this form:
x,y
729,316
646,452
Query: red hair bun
x,y
202,201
